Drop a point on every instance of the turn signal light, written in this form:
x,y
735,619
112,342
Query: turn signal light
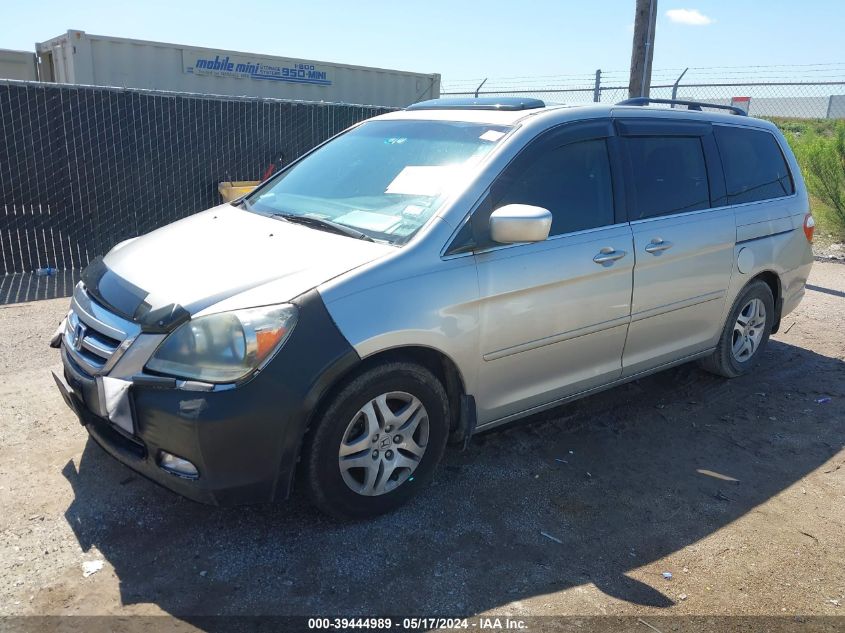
x,y
809,226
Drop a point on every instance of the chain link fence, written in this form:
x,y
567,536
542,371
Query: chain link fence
x,y
812,92
83,168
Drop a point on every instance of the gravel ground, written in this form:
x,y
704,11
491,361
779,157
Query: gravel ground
x,y
827,248
737,488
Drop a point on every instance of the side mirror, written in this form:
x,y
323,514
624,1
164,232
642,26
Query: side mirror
x,y
515,223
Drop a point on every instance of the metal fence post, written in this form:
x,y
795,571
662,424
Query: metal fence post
x,y
479,87
675,85
597,89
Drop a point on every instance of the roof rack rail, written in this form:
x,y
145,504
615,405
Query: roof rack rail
x,y
484,103
691,105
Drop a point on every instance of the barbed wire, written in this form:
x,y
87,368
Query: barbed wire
x,y
823,71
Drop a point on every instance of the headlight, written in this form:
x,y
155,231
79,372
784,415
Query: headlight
x,y
224,347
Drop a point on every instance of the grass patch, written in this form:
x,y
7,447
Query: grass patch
x,y
828,228
819,147
803,127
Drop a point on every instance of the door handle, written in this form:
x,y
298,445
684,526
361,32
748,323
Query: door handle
x,y
657,246
608,255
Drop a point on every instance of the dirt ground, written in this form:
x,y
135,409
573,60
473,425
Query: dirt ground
x,y
737,488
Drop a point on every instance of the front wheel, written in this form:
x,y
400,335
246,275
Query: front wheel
x,y
377,441
746,333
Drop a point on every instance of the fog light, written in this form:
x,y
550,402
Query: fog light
x,y
178,466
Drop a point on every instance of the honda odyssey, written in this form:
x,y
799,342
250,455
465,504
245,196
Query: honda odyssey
x,y
426,275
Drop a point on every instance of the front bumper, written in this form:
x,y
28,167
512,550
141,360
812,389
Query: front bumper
x,y
244,441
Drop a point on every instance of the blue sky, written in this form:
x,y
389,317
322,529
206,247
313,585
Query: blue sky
x,y
464,40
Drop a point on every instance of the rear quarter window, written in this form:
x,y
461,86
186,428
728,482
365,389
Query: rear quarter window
x,y
754,166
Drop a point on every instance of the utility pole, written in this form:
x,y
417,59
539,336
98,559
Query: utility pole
x,y
642,50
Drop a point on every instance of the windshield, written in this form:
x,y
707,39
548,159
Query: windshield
x,y
384,179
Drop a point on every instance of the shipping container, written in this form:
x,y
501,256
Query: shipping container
x,y
17,65
79,58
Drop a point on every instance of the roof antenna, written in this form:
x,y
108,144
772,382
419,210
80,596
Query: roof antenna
x,y
479,87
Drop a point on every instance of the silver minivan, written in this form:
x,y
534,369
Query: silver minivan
x,y
426,275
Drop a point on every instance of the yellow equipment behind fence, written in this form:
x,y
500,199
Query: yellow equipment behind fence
x,y
235,189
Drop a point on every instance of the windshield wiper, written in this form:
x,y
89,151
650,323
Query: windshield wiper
x,y
326,225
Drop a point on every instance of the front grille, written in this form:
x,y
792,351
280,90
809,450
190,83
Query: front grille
x,y
95,338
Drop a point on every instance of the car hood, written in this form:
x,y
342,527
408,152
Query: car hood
x,y
228,258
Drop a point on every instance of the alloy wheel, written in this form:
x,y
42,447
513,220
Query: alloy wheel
x,y
748,330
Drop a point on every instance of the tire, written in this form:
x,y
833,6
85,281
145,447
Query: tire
x,y
724,361
349,424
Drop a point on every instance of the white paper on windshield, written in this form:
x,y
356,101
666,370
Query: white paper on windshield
x,y
413,211
422,180
366,220
491,135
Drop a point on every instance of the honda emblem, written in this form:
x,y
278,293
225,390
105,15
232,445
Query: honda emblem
x,y
78,335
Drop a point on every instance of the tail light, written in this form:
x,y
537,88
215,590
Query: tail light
x,y
809,226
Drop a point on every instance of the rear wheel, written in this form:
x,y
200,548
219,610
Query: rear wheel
x,y
746,333
377,442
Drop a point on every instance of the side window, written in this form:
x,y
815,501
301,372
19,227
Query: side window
x,y
572,181
669,175
754,165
